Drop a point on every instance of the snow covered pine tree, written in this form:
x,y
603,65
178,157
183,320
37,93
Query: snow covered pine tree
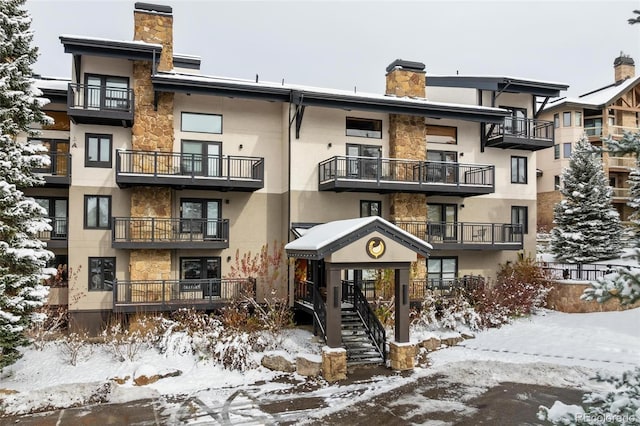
x,y
587,226
22,256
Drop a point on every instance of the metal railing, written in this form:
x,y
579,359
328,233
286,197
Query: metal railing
x,y
464,232
176,164
58,230
525,128
319,312
199,293
60,165
151,229
406,171
579,271
443,286
101,98
370,320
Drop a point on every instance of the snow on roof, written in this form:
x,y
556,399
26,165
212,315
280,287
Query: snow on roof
x,y
52,83
319,90
110,40
598,97
321,235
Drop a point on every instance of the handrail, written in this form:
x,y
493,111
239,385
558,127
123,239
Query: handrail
x,y
151,229
58,229
464,232
319,312
90,97
370,320
580,271
525,128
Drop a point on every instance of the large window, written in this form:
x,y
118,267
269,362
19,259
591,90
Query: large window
x,y
102,273
97,151
365,163
201,123
519,215
442,134
518,169
201,158
593,126
566,119
442,221
97,212
370,208
364,127
566,150
556,120
556,151
201,217
107,92
200,268
56,210
442,270
58,151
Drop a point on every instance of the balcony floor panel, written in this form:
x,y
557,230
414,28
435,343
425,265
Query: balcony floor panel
x,y
172,305
526,144
188,182
132,245
386,187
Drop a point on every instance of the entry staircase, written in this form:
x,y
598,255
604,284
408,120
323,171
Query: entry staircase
x,y
356,338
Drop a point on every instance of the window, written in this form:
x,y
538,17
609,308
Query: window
x,y
442,134
97,212
566,150
201,269
56,210
556,120
107,92
593,126
517,123
566,119
201,123
556,151
364,127
578,116
519,216
364,163
442,270
370,208
97,150
518,169
438,171
58,151
556,182
201,158
102,273
201,217
442,221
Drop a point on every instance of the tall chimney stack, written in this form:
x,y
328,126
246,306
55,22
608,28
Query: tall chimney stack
x,y
624,67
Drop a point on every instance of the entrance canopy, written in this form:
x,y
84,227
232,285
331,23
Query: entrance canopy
x,y
363,240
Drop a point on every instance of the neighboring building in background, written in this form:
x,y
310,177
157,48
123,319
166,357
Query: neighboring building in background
x,y
160,174
599,114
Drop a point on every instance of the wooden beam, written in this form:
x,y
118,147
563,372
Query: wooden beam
x,y
624,108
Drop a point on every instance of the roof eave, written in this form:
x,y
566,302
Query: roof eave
x,y
110,48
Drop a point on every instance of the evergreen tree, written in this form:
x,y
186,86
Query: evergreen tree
x,y
587,226
630,145
22,256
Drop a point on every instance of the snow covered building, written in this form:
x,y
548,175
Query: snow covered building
x,y
161,174
601,113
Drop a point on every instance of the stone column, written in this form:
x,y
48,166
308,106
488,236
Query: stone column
x,y
334,364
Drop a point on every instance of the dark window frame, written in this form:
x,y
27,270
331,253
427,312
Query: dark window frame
x,y
556,151
182,129
566,114
58,230
522,211
556,120
368,204
203,202
103,91
190,284
86,216
97,280
520,163
186,159
99,164
556,182
440,259
358,133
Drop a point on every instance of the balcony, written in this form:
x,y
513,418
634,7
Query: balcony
x,y
58,173
157,233
466,236
387,175
193,171
111,106
170,295
621,164
620,195
57,236
528,134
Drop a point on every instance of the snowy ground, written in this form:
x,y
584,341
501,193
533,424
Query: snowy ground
x,y
551,348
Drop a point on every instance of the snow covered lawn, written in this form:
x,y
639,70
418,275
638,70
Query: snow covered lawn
x,y
551,348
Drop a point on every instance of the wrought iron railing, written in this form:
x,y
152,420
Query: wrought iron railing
x,y
464,232
443,286
370,320
579,271
180,165
151,229
525,128
406,171
319,312
303,290
58,230
197,292
102,98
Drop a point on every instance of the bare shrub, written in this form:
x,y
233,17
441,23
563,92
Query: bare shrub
x,y
126,343
47,323
75,347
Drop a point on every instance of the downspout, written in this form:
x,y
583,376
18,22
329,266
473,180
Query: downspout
x,y
288,230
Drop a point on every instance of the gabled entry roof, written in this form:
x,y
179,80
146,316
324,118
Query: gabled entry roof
x,y
327,238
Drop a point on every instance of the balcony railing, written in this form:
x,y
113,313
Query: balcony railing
x,y
57,236
189,170
88,104
139,233
621,193
465,235
528,134
444,286
626,163
580,271
386,175
58,173
169,295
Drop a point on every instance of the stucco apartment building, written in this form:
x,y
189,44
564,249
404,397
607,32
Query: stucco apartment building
x,y
161,174
605,112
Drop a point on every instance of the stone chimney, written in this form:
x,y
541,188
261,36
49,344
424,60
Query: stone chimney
x,y
153,23
624,67
406,78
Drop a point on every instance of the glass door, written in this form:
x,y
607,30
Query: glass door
x,y
214,159
213,219
191,158
443,220
92,92
201,268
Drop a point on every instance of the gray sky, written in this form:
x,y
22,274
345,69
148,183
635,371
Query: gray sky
x,y
350,43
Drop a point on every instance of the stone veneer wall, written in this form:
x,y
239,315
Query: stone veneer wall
x,y
546,201
565,297
152,131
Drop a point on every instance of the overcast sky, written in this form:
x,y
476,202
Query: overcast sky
x,y
348,44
